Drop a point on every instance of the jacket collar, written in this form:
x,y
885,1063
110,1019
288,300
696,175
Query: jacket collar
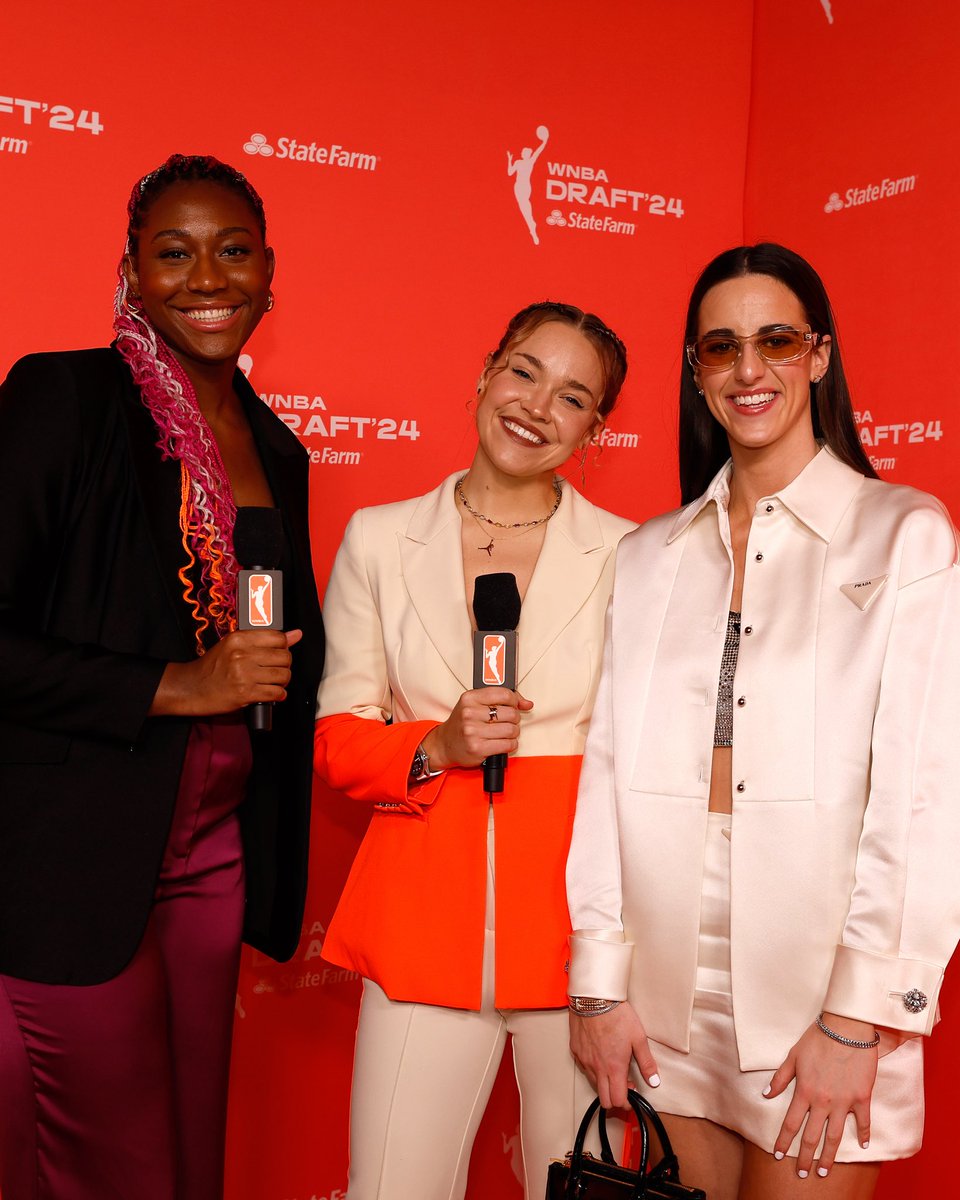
x,y
570,564
818,497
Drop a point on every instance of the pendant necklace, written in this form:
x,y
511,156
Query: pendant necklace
x,y
525,526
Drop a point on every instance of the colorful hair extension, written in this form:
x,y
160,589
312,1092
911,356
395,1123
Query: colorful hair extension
x,y
207,508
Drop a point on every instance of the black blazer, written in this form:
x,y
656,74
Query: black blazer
x,y
91,610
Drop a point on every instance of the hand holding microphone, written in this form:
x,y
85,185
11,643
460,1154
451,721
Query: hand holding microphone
x,y
249,668
469,735
484,726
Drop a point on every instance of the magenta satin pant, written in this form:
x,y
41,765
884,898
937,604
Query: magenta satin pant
x,y
119,1091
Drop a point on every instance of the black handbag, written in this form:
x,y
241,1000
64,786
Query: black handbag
x,y
581,1176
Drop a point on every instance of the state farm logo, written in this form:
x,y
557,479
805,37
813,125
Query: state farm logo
x,y
261,976
258,144
12,145
870,193
330,154
600,205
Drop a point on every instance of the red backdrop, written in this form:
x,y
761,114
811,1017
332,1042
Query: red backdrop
x,y
378,136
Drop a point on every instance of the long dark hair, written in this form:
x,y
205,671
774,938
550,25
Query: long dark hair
x,y
703,446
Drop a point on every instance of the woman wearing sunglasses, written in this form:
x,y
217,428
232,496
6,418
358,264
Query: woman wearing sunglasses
x,y
762,861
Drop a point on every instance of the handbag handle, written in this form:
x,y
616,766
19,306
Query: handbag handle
x,y
668,1167
639,1105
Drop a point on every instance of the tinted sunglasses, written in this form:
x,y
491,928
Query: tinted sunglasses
x,y
783,344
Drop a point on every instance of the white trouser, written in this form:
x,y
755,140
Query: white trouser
x,y
422,1078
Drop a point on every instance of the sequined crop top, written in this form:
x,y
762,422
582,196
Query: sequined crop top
x,y
723,729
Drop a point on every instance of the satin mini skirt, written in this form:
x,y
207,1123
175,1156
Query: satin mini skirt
x,y
707,1082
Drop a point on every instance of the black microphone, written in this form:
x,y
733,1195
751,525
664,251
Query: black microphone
x,y
258,544
496,609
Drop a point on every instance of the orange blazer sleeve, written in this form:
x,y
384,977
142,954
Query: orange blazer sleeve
x,y
369,760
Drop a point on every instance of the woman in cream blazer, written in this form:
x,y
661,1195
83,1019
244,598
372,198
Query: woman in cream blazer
x,y
444,982
738,894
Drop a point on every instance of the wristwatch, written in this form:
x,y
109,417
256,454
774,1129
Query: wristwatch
x,y
420,767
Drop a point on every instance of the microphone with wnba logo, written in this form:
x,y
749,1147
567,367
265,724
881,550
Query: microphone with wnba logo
x,y
496,609
257,544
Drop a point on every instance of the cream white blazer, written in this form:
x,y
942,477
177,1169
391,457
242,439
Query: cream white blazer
x,y
398,622
845,847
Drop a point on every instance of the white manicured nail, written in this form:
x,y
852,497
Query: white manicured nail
x,y
767,1090
654,1081
778,1154
822,1172
802,1174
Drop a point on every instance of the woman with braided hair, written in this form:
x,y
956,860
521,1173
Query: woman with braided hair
x,y
143,830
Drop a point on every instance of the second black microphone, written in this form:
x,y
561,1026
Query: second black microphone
x,y
496,609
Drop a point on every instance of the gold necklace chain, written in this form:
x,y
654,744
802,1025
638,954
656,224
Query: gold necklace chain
x,y
461,496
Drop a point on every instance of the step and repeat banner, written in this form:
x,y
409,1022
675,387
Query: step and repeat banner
x,y
427,170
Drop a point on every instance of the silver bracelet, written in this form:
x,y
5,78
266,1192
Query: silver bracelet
x,y
845,1041
588,1006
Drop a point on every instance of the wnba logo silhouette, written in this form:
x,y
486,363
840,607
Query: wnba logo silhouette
x,y
522,169
260,600
494,659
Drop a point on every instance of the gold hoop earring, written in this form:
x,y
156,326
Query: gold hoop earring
x,y
271,301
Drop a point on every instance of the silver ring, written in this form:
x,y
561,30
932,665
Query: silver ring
x,y
492,710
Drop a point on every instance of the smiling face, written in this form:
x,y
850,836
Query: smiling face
x,y
763,407
202,272
538,402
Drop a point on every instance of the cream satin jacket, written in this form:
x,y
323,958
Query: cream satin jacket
x,y
845,846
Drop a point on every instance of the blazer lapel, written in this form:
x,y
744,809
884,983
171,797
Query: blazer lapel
x,y
570,565
567,572
432,564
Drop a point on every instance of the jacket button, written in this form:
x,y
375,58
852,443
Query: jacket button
x,y
748,630
759,558
742,701
769,508
741,786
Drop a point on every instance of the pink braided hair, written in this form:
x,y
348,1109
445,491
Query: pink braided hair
x,y
207,509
